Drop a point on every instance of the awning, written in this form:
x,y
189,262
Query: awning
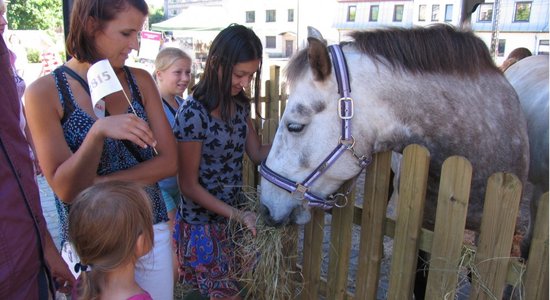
x,y
196,18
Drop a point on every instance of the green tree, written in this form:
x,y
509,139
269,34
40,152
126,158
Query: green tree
x,y
156,15
35,14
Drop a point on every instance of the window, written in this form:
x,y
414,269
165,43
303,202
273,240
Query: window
x,y
270,15
543,47
270,42
501,47
373,14
291,15
435,12
448,13
352,9
250,16
522,12
485,12
398,13
422,12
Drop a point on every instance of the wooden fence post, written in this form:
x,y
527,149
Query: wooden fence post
x,y
500,209
536,277
340,245
371,247
312,250
452,207
412,192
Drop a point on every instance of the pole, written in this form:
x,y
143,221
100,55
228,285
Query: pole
x,y
67,6
494,30
297,25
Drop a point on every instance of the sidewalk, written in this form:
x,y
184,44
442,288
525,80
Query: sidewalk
x,y
48,207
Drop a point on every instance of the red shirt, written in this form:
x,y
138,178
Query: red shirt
x,y
22,224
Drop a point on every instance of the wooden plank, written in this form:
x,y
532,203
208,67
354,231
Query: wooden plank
x,y
312,255
271,117
340,246
410,207
495,241
272,104
273,96
371,245
250,175
290,248
452,207
536,277
283,99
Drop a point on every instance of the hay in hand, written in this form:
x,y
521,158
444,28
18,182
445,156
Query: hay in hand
x,y
268,261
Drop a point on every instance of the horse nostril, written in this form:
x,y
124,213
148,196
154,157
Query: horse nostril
x,y
266,217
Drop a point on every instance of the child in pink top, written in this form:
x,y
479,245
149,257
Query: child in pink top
x,y
111,227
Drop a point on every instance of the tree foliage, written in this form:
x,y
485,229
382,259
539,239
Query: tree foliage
x,y
35,14
156,15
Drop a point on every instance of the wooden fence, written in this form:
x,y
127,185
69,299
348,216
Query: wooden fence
x,y
490,262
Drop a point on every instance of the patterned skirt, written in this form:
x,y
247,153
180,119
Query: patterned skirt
x,y
206,259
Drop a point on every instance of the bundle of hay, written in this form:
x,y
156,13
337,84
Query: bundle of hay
x,y
268,260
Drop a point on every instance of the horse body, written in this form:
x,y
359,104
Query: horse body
x,y
529,77
436,97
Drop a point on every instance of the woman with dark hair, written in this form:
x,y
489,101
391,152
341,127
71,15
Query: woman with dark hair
x,y
214,129
133,142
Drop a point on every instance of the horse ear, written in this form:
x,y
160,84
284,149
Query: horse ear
x,y
317,54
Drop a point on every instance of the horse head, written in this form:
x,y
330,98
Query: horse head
x,y
309,130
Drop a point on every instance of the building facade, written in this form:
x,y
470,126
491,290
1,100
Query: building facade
x,y
504,25
282,24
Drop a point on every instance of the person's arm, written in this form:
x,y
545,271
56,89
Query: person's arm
x,y
254,148
189,157
69,173
162,165
28,134
63,277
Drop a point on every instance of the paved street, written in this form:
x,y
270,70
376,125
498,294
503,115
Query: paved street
x,y
48,207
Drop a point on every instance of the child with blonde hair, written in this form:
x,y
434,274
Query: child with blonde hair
x,y
172,74
111,226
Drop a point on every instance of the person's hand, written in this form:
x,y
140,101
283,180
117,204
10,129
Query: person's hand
x,y
64,279
125,127
248,218
37,169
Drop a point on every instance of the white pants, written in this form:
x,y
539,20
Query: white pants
x,y
154,271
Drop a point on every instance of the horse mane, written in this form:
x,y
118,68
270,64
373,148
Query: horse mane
x,y
439,48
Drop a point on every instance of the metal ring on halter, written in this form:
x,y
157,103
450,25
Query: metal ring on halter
x,y
352,139
342,196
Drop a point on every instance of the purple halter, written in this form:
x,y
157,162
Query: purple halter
x,y
345,112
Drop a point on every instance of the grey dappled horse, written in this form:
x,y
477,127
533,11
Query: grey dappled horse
x,y
529,77
435,86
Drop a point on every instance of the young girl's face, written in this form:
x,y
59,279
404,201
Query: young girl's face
x,y
175,79
242,75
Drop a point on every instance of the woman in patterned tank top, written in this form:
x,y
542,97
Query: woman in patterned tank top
x,y
133,142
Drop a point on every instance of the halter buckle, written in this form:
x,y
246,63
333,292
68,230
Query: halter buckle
x,y
300,192
346,114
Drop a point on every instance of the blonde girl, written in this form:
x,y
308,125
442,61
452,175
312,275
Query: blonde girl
x,y
172,74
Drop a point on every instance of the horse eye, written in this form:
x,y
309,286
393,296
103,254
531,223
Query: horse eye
x,y
295,127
